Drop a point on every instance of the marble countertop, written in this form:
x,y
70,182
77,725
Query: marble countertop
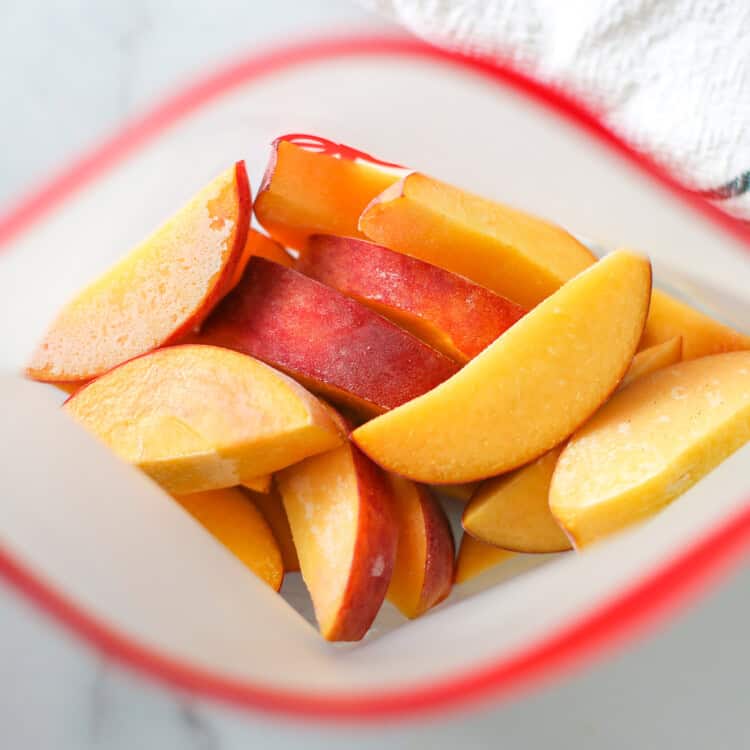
x,y
75,71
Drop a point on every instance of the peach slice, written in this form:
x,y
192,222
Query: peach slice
x,y
338,506
423,572
263,246
200,417
516,255
700,334
652,359
449,312
512,511
260,484
474,557
330,343
271,506
650,443
162,289
528,390
230,515
315,186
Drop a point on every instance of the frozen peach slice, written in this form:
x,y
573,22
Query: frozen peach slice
x,y
650,443
338,506
162,289
199,417
512,511
474,557
527,391
700,334
312,185
332,344
447,311
271,506
423,573
514,254
230,515
263,246
652,359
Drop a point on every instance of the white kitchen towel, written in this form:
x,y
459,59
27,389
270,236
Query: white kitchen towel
x,y
670,76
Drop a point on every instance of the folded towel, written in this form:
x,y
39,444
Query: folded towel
x,y
672,77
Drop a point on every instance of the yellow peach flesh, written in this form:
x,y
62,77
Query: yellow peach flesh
x,y
528,390
651,443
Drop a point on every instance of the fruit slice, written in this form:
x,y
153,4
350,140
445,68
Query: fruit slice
x,y
449,312
512,253
652,359
650,443
330,343
338,506
700,334
162,289
271,506
474,557
260,484
423,572
230,515
312,185
263,246
528,390
199,417
512,511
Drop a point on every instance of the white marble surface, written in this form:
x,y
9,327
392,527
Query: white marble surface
x,y
72,71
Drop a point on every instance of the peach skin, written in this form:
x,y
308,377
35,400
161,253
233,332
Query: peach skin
x,y
338,506
516,255
332,344
423,572
312,185
161,290
199,417
526,392
446,311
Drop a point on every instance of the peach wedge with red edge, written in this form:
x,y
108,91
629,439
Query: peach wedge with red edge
x,y
199,417
701,335
423,572
338,506
516,255
308,191
230,516
526,392
447,311
332,344
650,443
475,557
512,511
162,289
271,506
